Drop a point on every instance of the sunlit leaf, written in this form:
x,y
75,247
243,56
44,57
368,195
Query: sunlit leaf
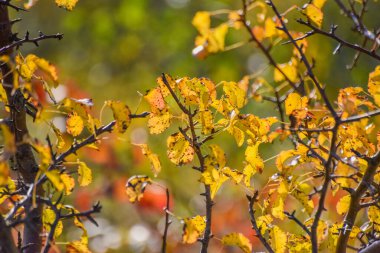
x,y
278,239
193,229
67,4
74,124
374,85
295,102
202,21
153,158
159,122
234,94
343,205
214,178
121,113
238,240
135,187
179,149
289,69
314,14
84,174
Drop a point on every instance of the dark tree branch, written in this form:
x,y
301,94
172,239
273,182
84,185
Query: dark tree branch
x,y
331,34
251,202
167,222
354,207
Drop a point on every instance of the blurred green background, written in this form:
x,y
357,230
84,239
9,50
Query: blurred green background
x,y
115,49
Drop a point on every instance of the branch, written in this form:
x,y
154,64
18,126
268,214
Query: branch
x,y
7,244
292,217
354,207
18,42
167,222
251,200
331,34
8,4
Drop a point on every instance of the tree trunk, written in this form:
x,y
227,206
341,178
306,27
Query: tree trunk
x,y
25,162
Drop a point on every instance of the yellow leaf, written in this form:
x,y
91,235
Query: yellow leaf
x,y
55,179
121,113
343,204
4,173
84,174
8,140
214,178
314,14
28,66
74,124
270,28
44,155
79,106
216,38
264,222
202,21
60,141
68,183
235,175
156,100
217,155
252,156
3,96
66,4
374,216
136,186
278,208
374,85
278,239
234,94
206,119
298,244
283,160
163,89
48,219
193,229
8,186
159,122
295,102
248,172
319,3
179,149
289,69
153,159
301,193
239,240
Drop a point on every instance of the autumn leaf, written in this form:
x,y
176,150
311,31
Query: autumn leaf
x,y
202,21
84,174
234,94
159,122
214,178
66,4
239,240
179,149
289,69
295,102
136,186
193,229
374,216
314,14
121,113
374,85
74,124
278,239
343,205
4,173
153,158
